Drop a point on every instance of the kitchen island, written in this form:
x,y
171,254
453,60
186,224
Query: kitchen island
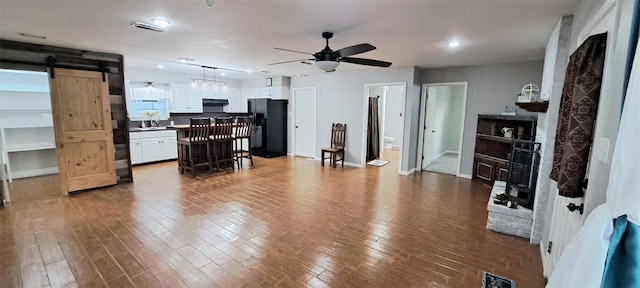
x,y
223,151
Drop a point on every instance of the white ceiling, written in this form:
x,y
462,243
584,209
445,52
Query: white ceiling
x,y
241,34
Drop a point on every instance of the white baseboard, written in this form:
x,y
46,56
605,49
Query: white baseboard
x,y
345,163
407,173
34,172
465,176
451,152
395,147
543,256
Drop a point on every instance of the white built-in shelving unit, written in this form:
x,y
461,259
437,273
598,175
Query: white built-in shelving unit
x,y
27,141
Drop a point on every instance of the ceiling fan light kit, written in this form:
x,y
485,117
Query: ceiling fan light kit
x,y
327,66
328,60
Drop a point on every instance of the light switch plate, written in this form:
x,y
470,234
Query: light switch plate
x,y
602,149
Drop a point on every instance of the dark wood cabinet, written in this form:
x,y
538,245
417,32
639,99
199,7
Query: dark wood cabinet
x,y
492,151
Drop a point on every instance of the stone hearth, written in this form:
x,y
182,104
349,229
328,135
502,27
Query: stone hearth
x,y
503,219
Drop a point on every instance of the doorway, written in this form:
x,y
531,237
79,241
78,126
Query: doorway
x,y
442,117
384,123
304,100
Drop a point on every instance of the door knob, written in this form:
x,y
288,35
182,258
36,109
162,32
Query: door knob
x,y
296,126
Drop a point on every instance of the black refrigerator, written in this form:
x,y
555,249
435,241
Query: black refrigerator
x,y
269,137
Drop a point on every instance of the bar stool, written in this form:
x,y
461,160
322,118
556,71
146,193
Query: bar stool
x,y
222,141
244,126
191,148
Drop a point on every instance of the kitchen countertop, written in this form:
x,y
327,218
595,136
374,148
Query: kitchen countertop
x,y
136,129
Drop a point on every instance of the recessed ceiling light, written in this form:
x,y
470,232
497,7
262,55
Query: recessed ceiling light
x,y
453,44
185,60
164,23
160,66
248,70
223,74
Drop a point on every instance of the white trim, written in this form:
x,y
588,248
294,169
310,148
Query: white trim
x,y
351,164
293,125
465,176
544,255
594,21
423,100
407,173
365,115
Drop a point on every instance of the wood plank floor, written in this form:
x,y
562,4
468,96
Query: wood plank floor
x,y
287,222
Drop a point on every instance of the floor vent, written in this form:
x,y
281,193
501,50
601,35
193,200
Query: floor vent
x,y
148,27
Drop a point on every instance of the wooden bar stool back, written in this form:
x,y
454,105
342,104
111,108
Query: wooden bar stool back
x,y
193,150
244,127
338,135
222,142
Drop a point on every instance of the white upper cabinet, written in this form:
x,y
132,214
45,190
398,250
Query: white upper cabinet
x,y
274,92
185,99
237,101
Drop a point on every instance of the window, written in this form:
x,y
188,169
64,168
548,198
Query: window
x,y
148,101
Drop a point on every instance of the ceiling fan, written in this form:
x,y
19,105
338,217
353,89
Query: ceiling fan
x,y
328,60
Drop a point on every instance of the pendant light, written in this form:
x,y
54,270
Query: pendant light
x,y
204,78
215,84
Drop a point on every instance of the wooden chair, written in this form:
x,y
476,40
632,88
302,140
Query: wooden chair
x,y
222,142
189,156
338,132
244,126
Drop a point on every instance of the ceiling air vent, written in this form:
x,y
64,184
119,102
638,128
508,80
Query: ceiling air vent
x,y
148,27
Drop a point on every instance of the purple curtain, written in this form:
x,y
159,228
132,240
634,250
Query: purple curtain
x,y
578,108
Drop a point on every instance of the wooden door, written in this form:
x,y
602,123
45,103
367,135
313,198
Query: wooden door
x,y
82,124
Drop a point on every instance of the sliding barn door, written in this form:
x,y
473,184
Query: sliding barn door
x,y
82,124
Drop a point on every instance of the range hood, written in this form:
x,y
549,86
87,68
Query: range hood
x,y
214,102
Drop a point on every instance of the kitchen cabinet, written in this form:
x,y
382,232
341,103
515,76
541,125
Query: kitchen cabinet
x,y
185,99
274,92
237,101
151,146
134,148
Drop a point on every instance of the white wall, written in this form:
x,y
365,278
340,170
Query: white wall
x,y
340,98
454,118
490,88
392,119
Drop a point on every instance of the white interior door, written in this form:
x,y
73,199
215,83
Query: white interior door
x,y
565,224
428,147
305,122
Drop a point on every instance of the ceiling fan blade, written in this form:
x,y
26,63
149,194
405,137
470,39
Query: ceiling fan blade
x,y
284,62
355,49
289,50
363,61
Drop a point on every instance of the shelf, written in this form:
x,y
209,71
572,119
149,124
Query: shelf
x,y
534,106
495,138
30,148
28,126
506,161
26,109
524,118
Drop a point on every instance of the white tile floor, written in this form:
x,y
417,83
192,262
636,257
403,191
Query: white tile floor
x,y
447,164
